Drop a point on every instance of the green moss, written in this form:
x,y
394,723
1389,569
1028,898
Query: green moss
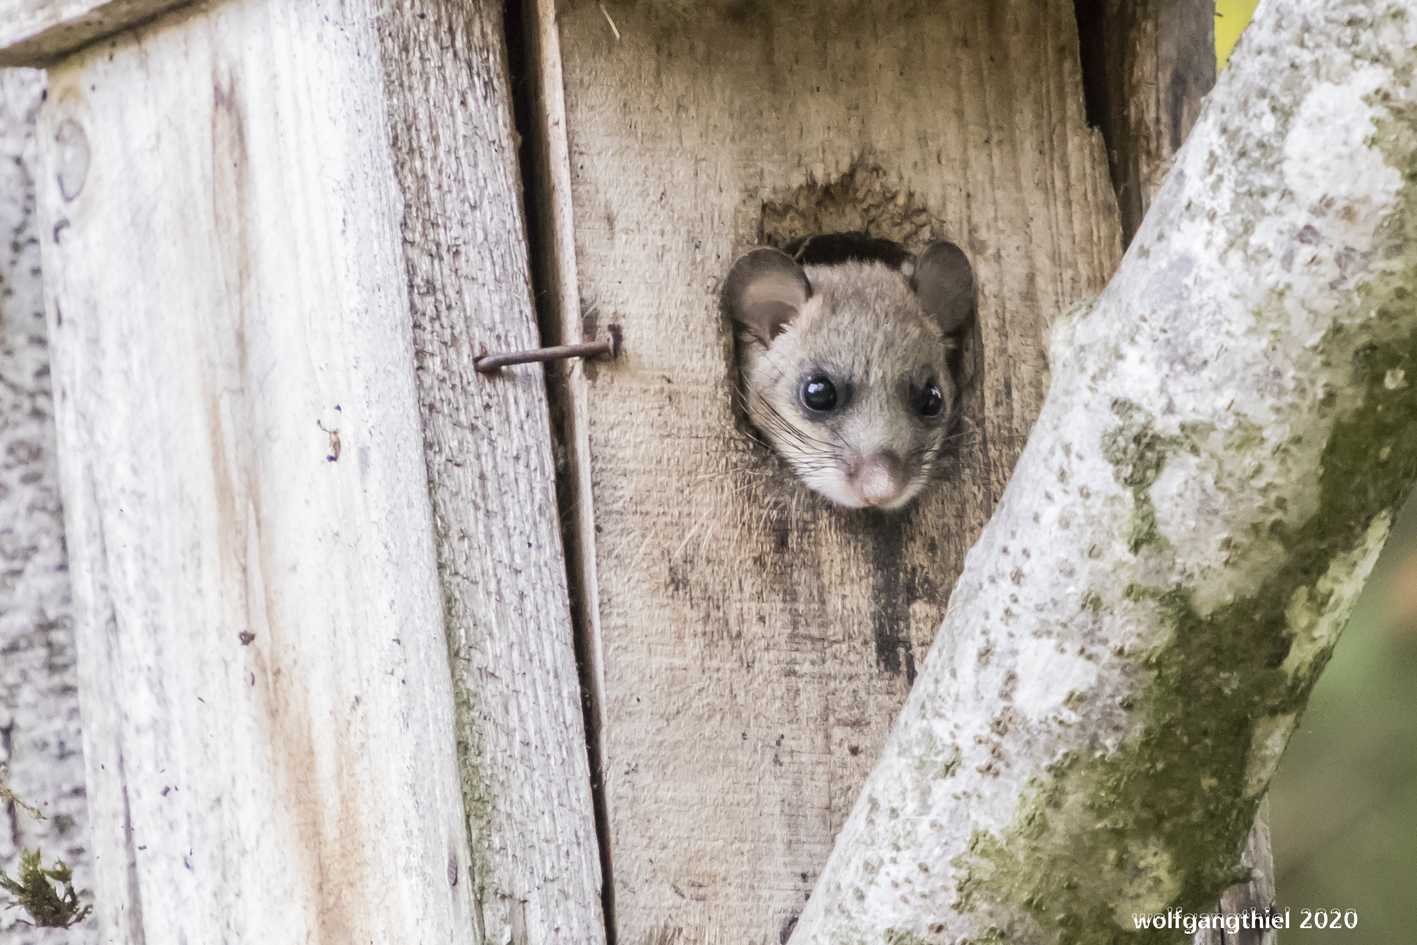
x,y
976,868
478,795
36,894
1161,822
34,890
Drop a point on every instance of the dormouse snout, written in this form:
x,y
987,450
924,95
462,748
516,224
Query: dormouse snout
x,y
880,479
848,366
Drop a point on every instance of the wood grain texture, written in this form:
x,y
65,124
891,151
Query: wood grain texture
x,y
276,235
559,300
1159,64
521,738
758,643
41,32
39,703
267,708
562,320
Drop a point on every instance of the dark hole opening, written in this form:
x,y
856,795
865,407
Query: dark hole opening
x,y
1092,48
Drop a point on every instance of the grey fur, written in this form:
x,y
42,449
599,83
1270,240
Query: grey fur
x,y
863,326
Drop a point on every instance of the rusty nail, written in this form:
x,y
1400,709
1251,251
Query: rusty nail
x,y
594,349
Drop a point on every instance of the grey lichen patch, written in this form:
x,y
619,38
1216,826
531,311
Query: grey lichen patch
x,y
1137,454
901,937
478,793
934,761
863,200
1266,746
1162,820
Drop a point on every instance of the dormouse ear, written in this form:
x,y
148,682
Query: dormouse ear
x,y
944,283
765,290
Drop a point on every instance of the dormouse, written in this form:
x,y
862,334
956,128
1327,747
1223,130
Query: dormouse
x,y
848,365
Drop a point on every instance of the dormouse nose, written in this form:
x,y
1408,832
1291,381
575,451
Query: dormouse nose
x,y
880,478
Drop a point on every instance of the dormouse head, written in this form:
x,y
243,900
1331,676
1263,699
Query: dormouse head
x,y
846,368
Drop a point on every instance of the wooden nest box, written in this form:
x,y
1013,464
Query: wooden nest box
x,y
376,648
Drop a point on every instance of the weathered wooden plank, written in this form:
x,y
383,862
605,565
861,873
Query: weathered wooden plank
x,y
243,208
757,642
41,32
558,291
521,738
267,707
39,704
1153,63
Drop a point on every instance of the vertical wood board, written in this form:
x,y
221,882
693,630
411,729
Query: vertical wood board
x,y
554,262
267,706
244,204
521,738
40,736
1158,59
759,642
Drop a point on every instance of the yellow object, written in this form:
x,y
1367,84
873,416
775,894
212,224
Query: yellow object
x,y
1231,18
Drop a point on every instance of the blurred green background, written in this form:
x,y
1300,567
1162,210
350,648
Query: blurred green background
x,y
1343,807
1344,804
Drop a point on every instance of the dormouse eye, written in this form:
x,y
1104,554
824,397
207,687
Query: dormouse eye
x,y
819,393
929,401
